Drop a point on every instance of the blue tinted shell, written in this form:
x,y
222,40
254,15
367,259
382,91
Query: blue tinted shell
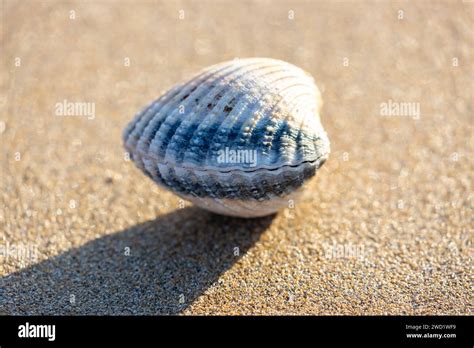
x,y
239,138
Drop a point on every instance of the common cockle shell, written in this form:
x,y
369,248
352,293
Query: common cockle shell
x,y
239,138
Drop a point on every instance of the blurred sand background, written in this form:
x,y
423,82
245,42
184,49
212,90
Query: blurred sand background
x,y
395,194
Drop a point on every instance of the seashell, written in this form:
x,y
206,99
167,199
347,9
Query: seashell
x,y
240,138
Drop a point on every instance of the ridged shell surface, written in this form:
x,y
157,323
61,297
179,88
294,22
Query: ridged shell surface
x,y
240,138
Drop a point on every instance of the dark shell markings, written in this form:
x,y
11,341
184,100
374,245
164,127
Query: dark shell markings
x,y
240,138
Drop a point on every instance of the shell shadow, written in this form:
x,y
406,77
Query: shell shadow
x,y
173,259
